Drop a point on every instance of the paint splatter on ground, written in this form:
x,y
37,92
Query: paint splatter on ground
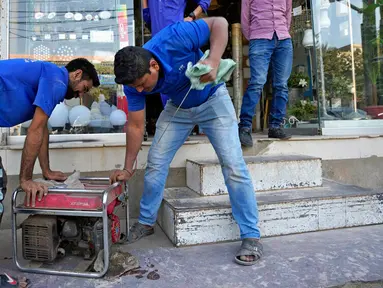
x,y
140,273
153,275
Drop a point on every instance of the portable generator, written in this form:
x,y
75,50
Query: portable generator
x,y
70,223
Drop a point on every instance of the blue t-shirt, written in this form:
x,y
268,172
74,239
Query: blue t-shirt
x,y
175,46
25,84
164,13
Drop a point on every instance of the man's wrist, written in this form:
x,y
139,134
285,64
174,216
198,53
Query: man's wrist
x,y
46,174
22,180
215,61
130,172
46,171
192,15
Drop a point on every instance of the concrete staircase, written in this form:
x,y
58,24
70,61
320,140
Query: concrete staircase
x,y
291,195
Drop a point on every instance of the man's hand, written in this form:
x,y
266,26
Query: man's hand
x,y
188,19
55,175
32,188
212,75
120,175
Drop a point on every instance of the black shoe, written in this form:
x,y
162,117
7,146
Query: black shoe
x,y
278,133
245,137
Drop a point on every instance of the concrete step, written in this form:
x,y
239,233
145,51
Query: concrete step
x,y
188,219
268,173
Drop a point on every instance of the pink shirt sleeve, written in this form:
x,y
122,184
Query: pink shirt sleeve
x,y
289,10
245,18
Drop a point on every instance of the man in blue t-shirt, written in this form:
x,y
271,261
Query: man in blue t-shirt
x,y
159,14
159,67
31,89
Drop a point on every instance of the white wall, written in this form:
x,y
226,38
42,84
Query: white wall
x,y
93,157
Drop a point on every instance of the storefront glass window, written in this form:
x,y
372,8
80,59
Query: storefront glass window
x,y
302,107
337,66
59,31
349,51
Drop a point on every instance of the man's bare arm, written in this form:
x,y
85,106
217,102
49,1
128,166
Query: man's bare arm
x,y
44,160
218,37
44,153
32,146
198,11
203,5
134,137
33,143
218,27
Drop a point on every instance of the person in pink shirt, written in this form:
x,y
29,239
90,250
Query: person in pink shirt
x,y
266,24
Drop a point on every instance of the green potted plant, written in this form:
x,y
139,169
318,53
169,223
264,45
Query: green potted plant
x,y
297,83
303,110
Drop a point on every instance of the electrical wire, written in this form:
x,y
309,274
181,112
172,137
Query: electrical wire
x,y
178,108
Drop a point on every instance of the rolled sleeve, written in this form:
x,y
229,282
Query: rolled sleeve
x,y
49,94
191,35
136,101
205,4
146,15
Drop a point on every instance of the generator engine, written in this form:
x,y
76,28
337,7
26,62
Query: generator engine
x,y
46,238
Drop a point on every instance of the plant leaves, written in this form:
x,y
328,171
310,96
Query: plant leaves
x,y
371,8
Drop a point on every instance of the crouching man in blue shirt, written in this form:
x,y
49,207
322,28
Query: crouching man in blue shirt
x,y
30,90
159,67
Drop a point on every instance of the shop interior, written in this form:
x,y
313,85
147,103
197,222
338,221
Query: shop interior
x,y
57,32
302,69
230,9
336,68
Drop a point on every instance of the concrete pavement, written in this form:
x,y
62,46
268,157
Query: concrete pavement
x,y
309,260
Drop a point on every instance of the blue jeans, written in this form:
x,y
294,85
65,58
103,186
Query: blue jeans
x,y
262,52
218,120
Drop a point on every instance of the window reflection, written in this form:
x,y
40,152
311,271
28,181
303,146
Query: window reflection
x,y
348,50
59,31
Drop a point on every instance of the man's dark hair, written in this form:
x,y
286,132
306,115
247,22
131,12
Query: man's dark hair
x,y
131,63
88,70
